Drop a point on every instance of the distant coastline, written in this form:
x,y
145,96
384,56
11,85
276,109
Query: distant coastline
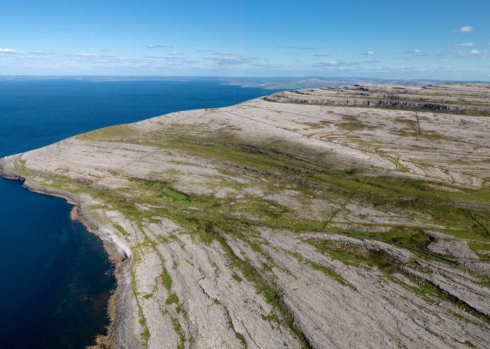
x,y
247,82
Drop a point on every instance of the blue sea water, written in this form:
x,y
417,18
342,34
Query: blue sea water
x,y
55,278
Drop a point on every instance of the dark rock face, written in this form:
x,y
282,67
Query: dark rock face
x,y
6,171
441,98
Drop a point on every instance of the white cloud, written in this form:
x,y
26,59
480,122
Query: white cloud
x,y
321,55
180,61
312,48
229,59
173,60
90,56
465,54
9,50
267,65
39,52
157,46
87,54
463,44
448,55
413,53
342,65
368,53
466,29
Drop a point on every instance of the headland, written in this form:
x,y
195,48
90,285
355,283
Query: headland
x,y
339,217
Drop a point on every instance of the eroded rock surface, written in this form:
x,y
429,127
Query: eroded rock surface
x,y
317,218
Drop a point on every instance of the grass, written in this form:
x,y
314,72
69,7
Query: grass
x,y
324,269
166,279
351,123
238,335
145,334
120,229
236,277
354,255
413,237
109,133
171,299
286,167
481,249
180,332
159,188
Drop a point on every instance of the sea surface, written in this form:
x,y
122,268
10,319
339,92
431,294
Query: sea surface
x,y
55,277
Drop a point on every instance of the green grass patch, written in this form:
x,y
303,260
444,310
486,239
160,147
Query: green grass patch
x,y
241,338
404,235
237,278
180,332
110,133
172,299
324,269
332,273
166,279
481,249
468,343
120,229
145,334
158,188
356,255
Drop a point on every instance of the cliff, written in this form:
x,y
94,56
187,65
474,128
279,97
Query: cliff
x,y
468,99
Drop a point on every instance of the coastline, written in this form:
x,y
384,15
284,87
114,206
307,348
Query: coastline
x,y
342,208
117,256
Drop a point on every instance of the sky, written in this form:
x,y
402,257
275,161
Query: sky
x,y
392,39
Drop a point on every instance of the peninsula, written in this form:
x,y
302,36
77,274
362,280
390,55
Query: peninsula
x,y
336,217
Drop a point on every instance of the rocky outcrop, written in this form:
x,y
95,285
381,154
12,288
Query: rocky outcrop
x,y
386,97
393,103
7,170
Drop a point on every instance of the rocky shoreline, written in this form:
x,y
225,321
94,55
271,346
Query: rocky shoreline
x,y
117,256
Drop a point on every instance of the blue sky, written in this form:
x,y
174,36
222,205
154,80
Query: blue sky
x,y
400,39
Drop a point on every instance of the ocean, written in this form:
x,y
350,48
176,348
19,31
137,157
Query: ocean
x,y
55,277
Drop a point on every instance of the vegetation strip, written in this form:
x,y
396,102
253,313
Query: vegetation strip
x,y
248,221
345,203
